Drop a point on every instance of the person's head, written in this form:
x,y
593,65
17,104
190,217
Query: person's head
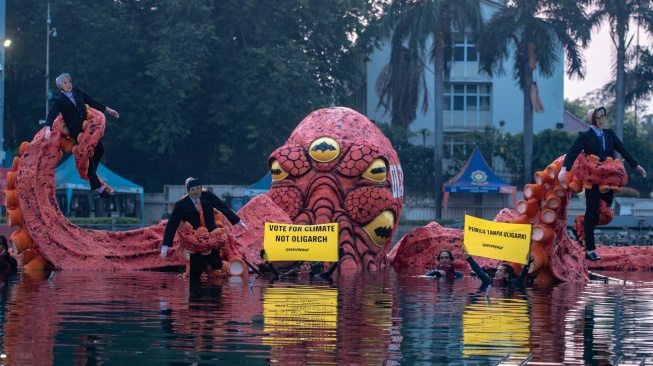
x,y
64,82
597,117
505,271
305,267
445,258
194,187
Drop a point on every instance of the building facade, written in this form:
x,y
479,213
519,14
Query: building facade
x,y
473,100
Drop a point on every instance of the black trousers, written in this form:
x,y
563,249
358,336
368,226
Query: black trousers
x,y
593,199
93,163
198,262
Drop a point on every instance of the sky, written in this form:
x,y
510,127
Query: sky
x,y
599,57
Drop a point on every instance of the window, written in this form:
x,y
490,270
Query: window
x,y
467,106
464,50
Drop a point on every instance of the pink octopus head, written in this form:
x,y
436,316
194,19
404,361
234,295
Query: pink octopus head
x,y
337,166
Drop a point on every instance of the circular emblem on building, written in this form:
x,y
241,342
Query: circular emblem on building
x,y
479,177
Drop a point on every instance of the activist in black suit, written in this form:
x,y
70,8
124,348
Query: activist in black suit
x,y
602,143
71,103
186,209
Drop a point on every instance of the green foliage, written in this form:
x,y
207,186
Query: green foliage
x,y
416,161
639,148
490,142
578,108
203,88
532,31
550,145
420,33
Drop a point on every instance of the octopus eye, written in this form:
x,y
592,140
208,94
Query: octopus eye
x,y
377,171
277,172
380,229
324,149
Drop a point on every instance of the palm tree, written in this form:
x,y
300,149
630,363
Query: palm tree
x,y
535,29
422,34
638,78
618,14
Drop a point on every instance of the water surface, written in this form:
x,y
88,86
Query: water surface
x,y
151,318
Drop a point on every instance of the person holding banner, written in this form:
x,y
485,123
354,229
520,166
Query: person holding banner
x,y
304,268
504,276
191,209
445,267
601,142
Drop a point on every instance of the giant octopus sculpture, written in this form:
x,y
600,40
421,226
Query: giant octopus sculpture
x,y
335,167
46,239
557,256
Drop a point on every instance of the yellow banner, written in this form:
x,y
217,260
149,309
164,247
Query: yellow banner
x,y
286,242
497,240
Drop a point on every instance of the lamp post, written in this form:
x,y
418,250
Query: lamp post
x,y
3,67
6,43
51,31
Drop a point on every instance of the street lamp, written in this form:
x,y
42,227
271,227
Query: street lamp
x,y
50,32
5,43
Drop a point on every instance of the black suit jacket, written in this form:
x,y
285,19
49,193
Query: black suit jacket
x,y
589,142
73,114
185,211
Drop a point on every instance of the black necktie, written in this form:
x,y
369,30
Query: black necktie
x,y
602,142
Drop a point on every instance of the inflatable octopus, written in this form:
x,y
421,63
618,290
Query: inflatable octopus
x,y
557,256
336,167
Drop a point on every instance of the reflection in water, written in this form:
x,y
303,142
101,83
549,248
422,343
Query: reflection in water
x,y
79,318
301,322
497,327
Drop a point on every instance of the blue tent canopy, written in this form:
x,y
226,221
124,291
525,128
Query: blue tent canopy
x,y
260,187
477,177
66,177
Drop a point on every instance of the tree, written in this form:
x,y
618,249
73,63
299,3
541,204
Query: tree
x,y
204,88
420,34
619,14
638,77
578,108
532,31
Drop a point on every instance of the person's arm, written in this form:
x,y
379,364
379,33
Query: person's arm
x,y
334,265
88,99
621,149
171,228
290,272
576,148
479,271
519,281
330,271
217,203
52,115
274,268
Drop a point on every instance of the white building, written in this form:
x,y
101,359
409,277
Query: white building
x,y
473,101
